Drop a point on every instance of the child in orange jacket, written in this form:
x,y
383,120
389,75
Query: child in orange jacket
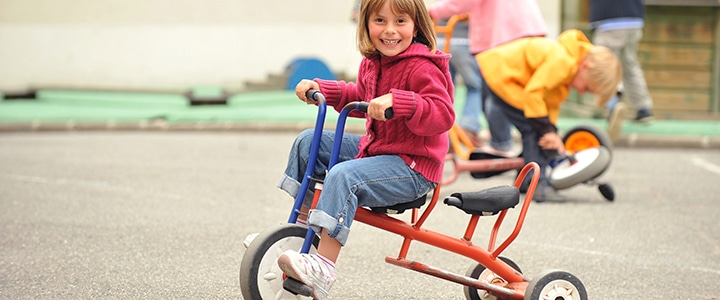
x,y
529,78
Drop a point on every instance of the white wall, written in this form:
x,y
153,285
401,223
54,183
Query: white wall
x,y
552,11
173,44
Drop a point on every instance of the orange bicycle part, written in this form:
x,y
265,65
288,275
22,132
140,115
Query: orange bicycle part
x,y
447,29
460,142
581,140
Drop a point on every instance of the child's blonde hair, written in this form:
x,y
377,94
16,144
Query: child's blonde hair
x,y
604,73
414,8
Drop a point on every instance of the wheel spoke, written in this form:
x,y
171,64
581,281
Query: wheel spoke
x,y
269,276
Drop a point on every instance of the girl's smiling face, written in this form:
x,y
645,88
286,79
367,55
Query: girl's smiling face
x,y
390,33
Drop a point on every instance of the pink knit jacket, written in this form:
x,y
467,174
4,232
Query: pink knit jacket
x,y
423,96
494,22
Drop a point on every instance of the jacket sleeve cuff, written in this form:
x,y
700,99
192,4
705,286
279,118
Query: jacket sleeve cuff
x,y
403,103
330,89
543,125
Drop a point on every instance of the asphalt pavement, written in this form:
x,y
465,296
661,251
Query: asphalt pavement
x,y
162,215
158,209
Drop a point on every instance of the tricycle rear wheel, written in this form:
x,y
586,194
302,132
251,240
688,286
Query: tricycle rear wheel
x,y
557,285
479,271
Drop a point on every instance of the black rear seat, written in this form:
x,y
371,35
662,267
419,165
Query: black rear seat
x,y
486,202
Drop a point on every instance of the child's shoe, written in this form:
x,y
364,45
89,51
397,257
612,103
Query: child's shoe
x,y
644,116
474,139
489,149
615,121
308,269
545,193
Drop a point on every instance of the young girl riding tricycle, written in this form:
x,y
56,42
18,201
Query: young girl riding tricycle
x,y
405,93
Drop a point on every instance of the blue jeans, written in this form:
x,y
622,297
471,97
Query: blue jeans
x,y
498,123
531,151
464,64
376,181
624,43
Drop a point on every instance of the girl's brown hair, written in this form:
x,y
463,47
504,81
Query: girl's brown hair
x,y
414,8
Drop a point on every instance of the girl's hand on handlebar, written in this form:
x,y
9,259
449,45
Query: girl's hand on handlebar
x,y
302,87
377,106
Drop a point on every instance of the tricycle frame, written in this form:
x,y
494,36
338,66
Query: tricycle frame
x,y
512,284
414,230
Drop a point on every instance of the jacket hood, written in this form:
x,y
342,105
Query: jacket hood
x,y
575,43
578,46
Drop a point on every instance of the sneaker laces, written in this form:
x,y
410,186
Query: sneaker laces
x,y
308,269
316,267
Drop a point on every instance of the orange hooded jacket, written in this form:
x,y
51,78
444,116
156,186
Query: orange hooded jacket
x,y
532,74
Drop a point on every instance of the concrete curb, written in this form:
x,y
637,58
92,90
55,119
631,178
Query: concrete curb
x,y
160,125
632,140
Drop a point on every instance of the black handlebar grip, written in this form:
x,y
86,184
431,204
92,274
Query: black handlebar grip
x,y
314,95
310,94
389,113
363,107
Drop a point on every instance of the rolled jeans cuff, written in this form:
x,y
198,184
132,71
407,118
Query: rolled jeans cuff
x,y
291,186
318,220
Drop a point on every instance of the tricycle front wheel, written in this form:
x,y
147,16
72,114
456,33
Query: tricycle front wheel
x,y
260,276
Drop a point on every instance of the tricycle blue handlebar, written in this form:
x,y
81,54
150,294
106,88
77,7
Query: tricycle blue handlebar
x,y
315,95
363,107
314,148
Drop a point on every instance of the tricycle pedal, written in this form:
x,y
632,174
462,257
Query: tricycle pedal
x,y
297,288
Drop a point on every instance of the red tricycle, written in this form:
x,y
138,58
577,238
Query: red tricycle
x,y
491,276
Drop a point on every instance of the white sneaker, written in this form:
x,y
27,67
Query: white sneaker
x,y
249,238
615,121
489,149
308,269
547,193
